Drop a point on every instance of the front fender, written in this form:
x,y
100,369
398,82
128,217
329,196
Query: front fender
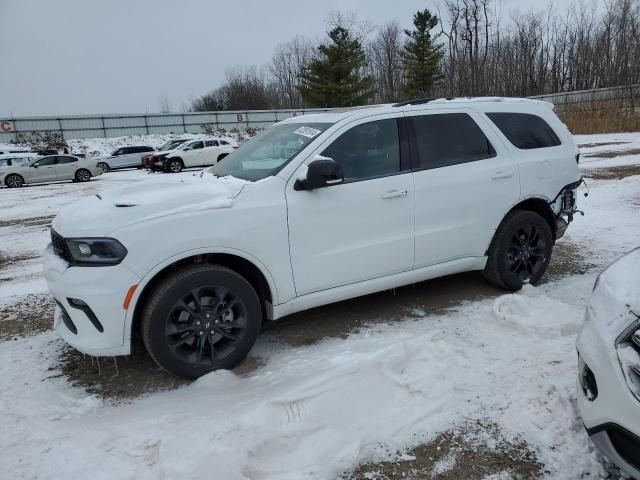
x,y
159,267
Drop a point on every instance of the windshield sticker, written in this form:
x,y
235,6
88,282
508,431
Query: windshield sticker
x,y
308,132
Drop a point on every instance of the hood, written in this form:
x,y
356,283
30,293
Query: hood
x,y
149,199
164,152
615,301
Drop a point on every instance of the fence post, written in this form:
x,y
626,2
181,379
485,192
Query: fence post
x,y
59,127
104,129
184,125
146,125
217,122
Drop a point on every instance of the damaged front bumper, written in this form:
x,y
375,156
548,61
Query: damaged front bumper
x,y
565,206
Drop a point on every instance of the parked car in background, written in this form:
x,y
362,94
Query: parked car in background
x,y
52,168
165,147
15,159
6,149
123,157
609,364
314,210
193,153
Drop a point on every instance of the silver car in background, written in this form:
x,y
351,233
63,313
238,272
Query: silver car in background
x,y
16,171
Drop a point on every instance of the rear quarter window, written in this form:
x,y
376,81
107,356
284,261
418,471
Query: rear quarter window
x,y
524,130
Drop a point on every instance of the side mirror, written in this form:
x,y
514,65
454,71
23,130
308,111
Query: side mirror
x,y
34,165
321,172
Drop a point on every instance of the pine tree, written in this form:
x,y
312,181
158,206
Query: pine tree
x,y
421,56
334,80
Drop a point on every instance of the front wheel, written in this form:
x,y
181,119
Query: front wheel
x,y
520,251
201,319
14,181
104,166
174,166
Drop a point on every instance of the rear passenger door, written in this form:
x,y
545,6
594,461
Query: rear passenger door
x,y
465,181
66,167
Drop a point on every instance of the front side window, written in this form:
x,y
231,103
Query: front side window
x,y
265,154
446,139
119,151
5,162
524,130
43,162
368,150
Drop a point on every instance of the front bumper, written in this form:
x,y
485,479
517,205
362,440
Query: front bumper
x,y
612,415
92,299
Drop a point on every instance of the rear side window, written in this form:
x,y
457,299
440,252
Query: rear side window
x,y
63,159
449,139
524,130
211,143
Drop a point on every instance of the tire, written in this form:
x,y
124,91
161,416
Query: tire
x,y
182,321
82,175
174,165
14,181
520,251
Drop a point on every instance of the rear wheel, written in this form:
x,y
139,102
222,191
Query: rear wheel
x,y
520,251
104,166
174,166
203,318
83,175
14,181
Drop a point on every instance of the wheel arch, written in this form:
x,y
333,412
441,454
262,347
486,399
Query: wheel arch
x,y
249,268
537,205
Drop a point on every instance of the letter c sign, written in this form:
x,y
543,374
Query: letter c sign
x,y
6,126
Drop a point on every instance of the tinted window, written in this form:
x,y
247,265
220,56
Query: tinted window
x,y
46,161
63,159
449,139
525,131
368,150
211,143
119,151
222,142
193,146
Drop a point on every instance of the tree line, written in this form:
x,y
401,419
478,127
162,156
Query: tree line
x,y
464,47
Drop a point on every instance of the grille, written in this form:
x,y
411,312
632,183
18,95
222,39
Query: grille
x,y
59,245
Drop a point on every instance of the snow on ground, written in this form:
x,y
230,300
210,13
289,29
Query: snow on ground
x,y
608,150
315,411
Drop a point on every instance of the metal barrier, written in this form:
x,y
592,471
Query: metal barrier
x,y
89,126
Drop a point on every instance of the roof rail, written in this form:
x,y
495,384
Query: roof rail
x,y
416,101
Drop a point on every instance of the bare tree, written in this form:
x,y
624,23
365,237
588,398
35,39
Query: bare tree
x,y
385,61
288,61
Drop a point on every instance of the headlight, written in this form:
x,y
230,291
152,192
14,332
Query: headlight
x,y
95,251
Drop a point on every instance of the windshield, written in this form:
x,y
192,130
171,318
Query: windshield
x,y
265,154
167,145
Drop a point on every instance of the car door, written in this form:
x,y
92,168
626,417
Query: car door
x,y
43,170
192,154
66,167
360,229
465,181
211,152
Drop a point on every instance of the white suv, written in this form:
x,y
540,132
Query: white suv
x,y
194,153
314,210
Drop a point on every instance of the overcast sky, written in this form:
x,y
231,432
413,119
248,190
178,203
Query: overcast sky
x,y
61,57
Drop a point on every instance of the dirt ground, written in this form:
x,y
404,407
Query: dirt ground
x,y
454,455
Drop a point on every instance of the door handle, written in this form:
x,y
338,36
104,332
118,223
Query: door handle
x,y
395,194
502,174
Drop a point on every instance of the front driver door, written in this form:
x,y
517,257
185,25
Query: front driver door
x,y
361,229
44,170
192,153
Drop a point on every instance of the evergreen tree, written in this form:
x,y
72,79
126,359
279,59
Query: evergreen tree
x,y
334,79
421,56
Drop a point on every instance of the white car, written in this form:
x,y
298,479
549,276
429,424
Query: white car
x,y
18,171
609,364
123,157
314,210
194,153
